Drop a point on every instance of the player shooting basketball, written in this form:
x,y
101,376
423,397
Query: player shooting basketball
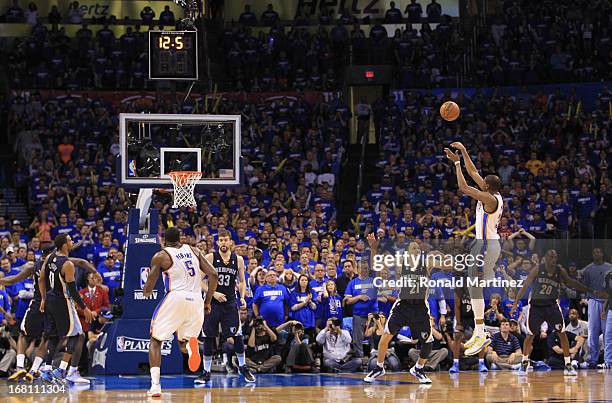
x,y
488,213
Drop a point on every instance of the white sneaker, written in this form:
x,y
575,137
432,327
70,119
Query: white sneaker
x,y
155,391
77,379
479,344
375,373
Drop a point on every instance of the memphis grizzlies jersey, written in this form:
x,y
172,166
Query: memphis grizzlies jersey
x,y
486,223
228,275
545,287
184,274
412,289
54,279
464,297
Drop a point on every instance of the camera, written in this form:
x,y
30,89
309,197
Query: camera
x,y
297,327
376,316
258,323
336,322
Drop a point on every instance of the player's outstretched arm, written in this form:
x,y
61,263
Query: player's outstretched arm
x,y
487,198
577,285
84,264
469,165
532,276
22,275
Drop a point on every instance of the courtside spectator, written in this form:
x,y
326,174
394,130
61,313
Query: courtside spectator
x,y
505,350
261,352
375,328
336,344
556,360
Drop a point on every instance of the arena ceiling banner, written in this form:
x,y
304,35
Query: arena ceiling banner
x,y
359,8
102,8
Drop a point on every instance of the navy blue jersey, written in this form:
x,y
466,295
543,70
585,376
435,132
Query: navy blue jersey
x,y
412,288
466,310
54,279
545,289
228,274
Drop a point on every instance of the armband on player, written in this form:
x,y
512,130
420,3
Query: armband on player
x,y
75,295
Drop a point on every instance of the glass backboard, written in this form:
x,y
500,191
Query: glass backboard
x,y
153,145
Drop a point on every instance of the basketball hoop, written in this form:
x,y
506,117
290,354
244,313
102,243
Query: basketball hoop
x,y
184,185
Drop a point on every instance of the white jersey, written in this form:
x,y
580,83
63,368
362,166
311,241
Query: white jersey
x,y
184,274
486,223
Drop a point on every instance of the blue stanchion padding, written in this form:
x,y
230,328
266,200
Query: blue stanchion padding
x,y
139,252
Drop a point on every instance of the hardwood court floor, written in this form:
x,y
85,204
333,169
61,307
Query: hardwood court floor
x,y
589,386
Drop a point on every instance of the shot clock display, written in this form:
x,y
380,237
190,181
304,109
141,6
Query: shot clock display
x,y
173,55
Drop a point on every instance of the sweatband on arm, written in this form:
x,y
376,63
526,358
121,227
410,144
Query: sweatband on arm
x,y
74,294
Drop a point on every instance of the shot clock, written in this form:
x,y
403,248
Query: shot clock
x,y
173,55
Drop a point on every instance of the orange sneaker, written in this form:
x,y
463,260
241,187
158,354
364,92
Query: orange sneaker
x,y
193,349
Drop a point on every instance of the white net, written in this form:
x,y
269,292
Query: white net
x,y
184,185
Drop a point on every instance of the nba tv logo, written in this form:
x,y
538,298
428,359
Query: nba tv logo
x,y
144,275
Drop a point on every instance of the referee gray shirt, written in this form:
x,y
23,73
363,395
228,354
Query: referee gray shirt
x,y
593,277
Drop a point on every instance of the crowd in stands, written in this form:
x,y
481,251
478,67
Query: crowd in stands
x,y
48,58
526,43
550,41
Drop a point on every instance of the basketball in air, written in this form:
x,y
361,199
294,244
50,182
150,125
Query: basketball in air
x,y
449,111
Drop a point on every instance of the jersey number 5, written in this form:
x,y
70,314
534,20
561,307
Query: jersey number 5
x,y
190,268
